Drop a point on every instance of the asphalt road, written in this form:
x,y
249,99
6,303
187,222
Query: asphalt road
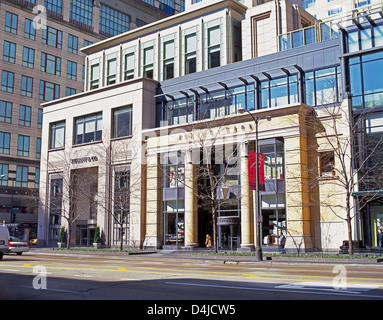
x,y
192,284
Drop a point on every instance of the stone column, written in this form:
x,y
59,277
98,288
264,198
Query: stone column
x,y
153,235
191,212
247,238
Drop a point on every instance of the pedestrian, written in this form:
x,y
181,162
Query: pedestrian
x,y
208,242
380,239
282,242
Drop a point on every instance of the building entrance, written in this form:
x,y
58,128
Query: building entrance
x,y
228,233
84,235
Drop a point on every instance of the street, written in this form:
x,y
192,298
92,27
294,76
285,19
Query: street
x,y
37,276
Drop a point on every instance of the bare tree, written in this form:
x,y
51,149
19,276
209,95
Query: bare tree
x,y
347,159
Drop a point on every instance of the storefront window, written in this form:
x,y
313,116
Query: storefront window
x,y
174,223
273,161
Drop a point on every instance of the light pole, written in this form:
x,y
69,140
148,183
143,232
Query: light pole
x,y
258,246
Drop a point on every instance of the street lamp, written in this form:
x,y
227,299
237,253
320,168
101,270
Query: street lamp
x,y
258,246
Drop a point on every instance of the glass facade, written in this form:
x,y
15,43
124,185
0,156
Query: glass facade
x,y
279,92
323,86
81,11
365,81
173,202
113,22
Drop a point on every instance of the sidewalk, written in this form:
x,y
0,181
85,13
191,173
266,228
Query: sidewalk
x,y
205,257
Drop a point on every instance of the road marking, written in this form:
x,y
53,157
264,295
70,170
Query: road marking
x,y
12,270
276,289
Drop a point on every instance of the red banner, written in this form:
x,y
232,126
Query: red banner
x,y
253,171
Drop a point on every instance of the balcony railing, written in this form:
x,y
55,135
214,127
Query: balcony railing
x,y
326,29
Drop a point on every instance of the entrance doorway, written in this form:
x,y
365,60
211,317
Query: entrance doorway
x,y
228,233
84,235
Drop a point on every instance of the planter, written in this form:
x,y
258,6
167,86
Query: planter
x,y
60,245
96,245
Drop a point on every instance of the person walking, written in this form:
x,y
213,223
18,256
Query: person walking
x,y
282,242
208,242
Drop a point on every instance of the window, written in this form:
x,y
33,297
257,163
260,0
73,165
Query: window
x,y
5,111
28,57
23,146
113,22
26,86
129,65
54,5
72,44
50,64
190,53
21,176
323,86
29,29
214,47
57,135
166,6
308,4
9,52
7,81
81,11
122,122
70,91
86,44
38,148
281,91
148,66
37,177
121,205
40,118
168,60
335,11
94,76
326,162
5,142
49,91
366,86
71,70
88,128
25,116
52,37
3,174
366,38
11,22
111,68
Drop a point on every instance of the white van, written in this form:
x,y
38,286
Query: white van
x,y
4,239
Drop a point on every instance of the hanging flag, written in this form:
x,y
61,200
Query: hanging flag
x,y
253,171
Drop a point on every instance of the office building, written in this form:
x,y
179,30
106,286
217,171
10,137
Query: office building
x,y
158,148
41,61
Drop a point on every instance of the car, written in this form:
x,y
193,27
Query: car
x,y
33,242
17,246
4,239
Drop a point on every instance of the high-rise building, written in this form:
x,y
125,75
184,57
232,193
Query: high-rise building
x,y
41,61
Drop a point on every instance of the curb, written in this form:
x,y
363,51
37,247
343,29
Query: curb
x,y
233,260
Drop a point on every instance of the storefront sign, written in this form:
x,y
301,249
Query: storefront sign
x,y
253,171
84,160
